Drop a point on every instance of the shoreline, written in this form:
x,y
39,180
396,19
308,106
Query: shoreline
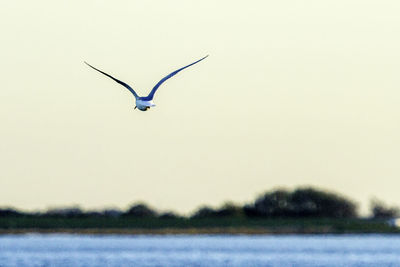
x,y
198,226
166,231
188,231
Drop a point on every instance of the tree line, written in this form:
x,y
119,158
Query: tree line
x,y
279,203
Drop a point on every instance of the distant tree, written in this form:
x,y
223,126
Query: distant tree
x,y
302,202
111,212
140,210
92,213
226,210
73,211
204,211
382,211
169,215
317,203
250,211
8,212
271,204
229,209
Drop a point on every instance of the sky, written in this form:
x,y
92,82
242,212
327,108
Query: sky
x,y
294,93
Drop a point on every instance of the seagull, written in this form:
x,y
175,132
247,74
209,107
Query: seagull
x,y
143,103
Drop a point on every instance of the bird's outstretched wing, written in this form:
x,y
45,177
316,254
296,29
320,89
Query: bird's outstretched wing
x,y
151,95
118,81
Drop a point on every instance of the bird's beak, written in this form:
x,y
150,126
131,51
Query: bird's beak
x,y
135,107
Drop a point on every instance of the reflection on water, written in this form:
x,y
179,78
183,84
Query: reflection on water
x,y
187,250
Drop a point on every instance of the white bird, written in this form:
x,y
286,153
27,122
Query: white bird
x,y
143,103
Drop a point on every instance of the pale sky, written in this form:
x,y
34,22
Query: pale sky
x,y
293,93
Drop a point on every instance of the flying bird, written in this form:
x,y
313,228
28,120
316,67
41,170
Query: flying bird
x,y
143,103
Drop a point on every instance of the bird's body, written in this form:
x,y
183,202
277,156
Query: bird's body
x,y
143,103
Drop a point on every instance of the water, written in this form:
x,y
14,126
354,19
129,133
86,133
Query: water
x,y
187,250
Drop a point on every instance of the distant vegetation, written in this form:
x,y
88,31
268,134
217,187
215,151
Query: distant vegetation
x,y
381,210
227,210
302,202
279,203
304,209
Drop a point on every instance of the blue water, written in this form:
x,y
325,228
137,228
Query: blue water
x,y
187,250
